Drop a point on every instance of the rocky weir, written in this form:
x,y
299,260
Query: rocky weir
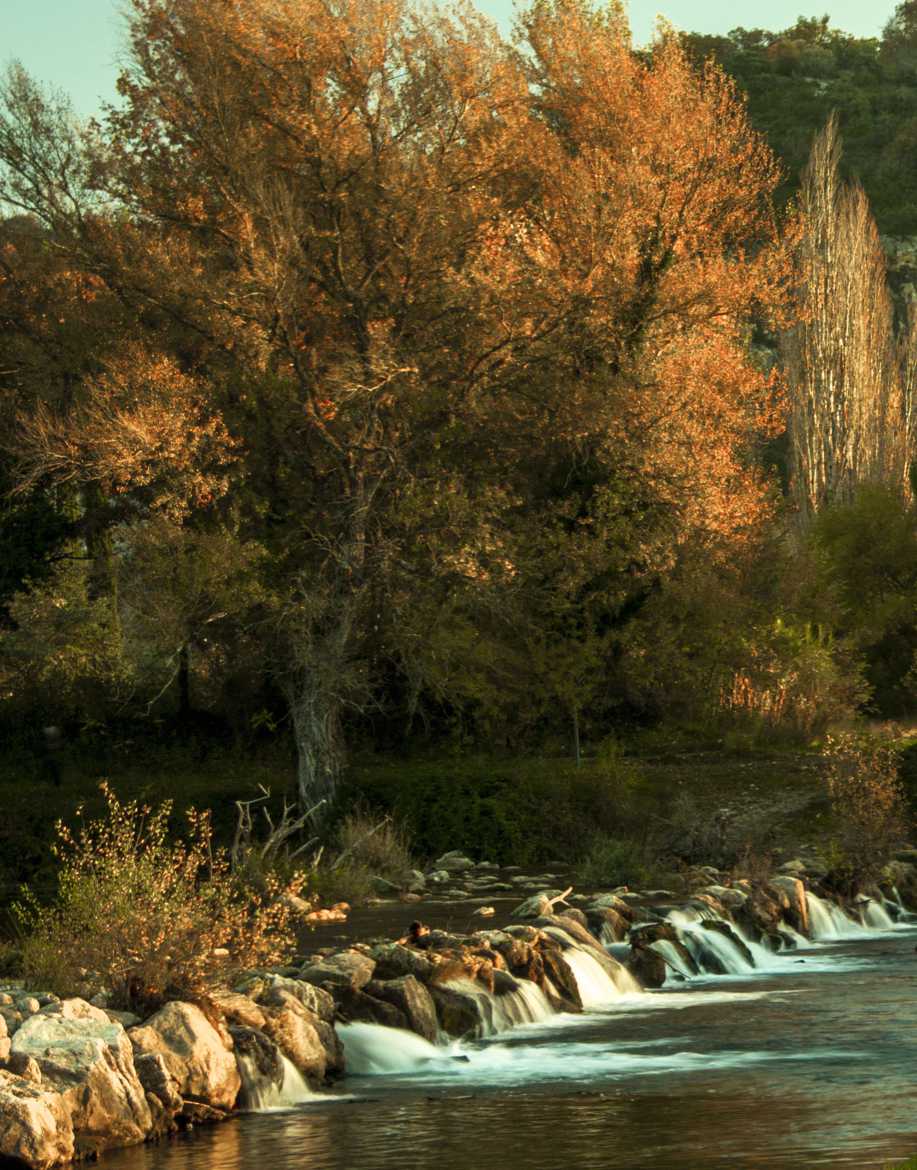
x,y
77,1079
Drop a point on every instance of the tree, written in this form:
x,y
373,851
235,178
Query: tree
x,y
847,410
437,321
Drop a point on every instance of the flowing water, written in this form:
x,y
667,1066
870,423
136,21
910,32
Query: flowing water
x,y
806,1059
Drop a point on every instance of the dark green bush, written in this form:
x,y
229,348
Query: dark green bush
x,y
525,812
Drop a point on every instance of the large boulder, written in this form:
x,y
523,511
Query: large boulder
x,y
194,1052
35,1125
648,966
412,999
395,959
458,1012
790,894
89,1061
350,969
294,1029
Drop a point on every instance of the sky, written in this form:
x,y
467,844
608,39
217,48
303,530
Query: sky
x,y
74,44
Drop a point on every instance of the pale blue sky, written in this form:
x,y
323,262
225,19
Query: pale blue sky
x,y
74,44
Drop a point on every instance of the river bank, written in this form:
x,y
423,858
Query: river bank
x,y
81,1080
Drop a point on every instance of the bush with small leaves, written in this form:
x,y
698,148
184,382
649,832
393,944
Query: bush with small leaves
x,y
867,800
146,918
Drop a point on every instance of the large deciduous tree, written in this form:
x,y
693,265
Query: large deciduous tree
x,y
459,331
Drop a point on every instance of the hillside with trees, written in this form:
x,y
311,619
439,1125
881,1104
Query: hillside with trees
x,y
796,78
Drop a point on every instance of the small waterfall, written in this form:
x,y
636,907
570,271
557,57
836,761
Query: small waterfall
x,y
597,985
373,1049
714,952
675,963
828,920
876,916
528,1004
792,938
284,1089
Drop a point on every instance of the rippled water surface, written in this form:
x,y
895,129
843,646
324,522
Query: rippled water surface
x,y
812,1063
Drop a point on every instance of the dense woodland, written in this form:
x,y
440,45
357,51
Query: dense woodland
x,y
372,384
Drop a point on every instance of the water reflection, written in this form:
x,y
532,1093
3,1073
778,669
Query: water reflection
x,y
810,1067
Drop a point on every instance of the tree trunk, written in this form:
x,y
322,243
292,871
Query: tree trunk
x,y
316,715
576,744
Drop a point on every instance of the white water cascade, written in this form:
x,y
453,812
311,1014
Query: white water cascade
x,y
527,1004
674,962
701,942
373,1049
876,917
263,1094
596,984
828,920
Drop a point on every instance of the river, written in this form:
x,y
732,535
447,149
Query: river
x,y
810,1062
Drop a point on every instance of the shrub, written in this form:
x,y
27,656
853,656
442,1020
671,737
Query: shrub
x,y
614,861
380,846
145,918
867,800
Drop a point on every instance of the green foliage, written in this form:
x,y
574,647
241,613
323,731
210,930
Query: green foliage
x,y
867,800
614,861
867,577
794,78
145,918
529,813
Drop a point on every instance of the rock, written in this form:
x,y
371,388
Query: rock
x,y
727,896
315,999
24,1066
125,1019
159,1084
238,1009
454,862
193,1051
795,867
459,1014
791,896
76,1009
607,925
349,969
572,928
384,888
438,877
412,999
363,1007
293,1029
416,883
537,906
734,937
91,1065
563,983
35,1125
395,959
484,912
613,902
28,1005
647,966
